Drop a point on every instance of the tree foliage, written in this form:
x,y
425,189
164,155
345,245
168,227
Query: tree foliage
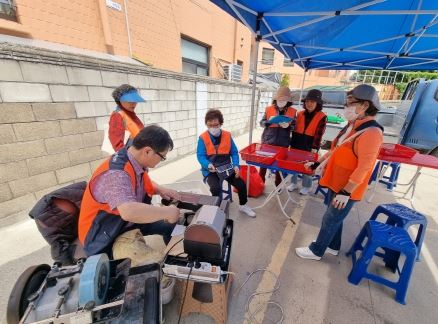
x,y
285,80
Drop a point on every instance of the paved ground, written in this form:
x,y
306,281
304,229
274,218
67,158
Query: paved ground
x,y
310,291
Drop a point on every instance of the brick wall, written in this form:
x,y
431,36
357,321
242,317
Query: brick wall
x,y
53,116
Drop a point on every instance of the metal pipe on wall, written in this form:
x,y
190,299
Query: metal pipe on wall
x,y
127,27
106,27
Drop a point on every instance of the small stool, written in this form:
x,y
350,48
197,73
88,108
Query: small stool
x,y
402,216
380,235
226,194
216,306
391,180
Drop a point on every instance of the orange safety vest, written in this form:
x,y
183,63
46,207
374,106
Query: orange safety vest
x,y
223,148
311,128
93,212
130,125
341,164
271,111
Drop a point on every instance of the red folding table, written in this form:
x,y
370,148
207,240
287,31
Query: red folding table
x,y
405,155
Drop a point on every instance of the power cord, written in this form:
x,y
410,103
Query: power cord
x,y
185,292
167,253
252,318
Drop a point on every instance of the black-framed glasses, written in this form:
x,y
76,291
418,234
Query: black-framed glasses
x,y
163,158
348,104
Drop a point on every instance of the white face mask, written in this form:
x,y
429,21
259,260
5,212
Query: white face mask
x,y
350,113
281,104
215,131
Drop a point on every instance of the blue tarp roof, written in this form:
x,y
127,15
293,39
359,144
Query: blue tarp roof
x,y
345,34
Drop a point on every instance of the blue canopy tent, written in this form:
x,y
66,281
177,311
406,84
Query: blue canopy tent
x,y
343,34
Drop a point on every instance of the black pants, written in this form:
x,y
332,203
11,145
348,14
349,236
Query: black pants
x,y
262,173
215,186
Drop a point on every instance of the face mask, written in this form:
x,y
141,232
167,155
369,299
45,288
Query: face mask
x,y
350,113
215,131
281,104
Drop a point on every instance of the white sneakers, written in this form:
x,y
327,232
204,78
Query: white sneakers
x,y
306,253
293,186
330,251
247,210
304,191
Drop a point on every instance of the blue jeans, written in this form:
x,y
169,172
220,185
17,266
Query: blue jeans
x,y
307,180
330,233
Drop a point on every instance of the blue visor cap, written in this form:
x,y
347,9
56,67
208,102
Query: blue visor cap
x,y
131,96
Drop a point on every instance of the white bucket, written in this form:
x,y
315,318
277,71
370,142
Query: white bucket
x,y
167,290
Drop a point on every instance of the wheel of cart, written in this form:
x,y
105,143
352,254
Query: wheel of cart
x,y
27,284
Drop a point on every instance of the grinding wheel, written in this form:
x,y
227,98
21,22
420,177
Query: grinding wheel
x,y
94,280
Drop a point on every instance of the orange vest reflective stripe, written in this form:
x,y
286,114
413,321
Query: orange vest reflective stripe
x,y
90,207
224,146
341,164
313,125
130,125
271,111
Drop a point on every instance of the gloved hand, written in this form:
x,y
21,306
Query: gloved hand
x,y
236,171
211,168
341,199
284,125
311,165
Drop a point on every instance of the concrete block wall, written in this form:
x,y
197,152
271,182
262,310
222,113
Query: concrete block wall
x,y
53,117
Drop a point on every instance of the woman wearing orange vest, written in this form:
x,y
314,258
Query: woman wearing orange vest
x,y
309,129
123,121
347,168
278,134
216,148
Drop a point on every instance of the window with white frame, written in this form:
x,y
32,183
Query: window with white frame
x,y
7,10
194,57
288,62
268,56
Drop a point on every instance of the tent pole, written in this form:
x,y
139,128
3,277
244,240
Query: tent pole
x,y
255,56
254,86
302,86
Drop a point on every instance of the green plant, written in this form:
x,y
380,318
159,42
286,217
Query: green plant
x,y
284,80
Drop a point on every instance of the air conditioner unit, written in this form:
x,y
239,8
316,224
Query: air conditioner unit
x,y
233,72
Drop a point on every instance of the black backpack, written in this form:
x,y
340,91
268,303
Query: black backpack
x,y
56,216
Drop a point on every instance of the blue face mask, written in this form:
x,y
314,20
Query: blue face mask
x,y
215,131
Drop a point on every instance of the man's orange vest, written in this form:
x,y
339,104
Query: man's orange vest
x,y
130,125
313,125
341,164
98,224
271,111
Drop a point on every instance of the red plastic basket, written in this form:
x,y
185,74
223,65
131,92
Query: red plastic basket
x,y
260,153
396,150
294,160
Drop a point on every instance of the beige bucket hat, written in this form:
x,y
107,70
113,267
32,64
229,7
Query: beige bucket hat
x,y
283,94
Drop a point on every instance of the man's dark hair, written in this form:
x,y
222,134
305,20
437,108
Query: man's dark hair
x,y
120,91
214,114
155,137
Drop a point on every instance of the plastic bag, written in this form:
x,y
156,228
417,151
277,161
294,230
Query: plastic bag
x,y
256,184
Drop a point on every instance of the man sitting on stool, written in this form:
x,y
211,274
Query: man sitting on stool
x,y
118,196
216,148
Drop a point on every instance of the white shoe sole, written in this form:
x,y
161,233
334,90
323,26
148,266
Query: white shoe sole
x,y
308,257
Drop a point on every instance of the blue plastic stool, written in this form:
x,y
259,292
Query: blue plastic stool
x,y
226,194
380,235
402,216
391,180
